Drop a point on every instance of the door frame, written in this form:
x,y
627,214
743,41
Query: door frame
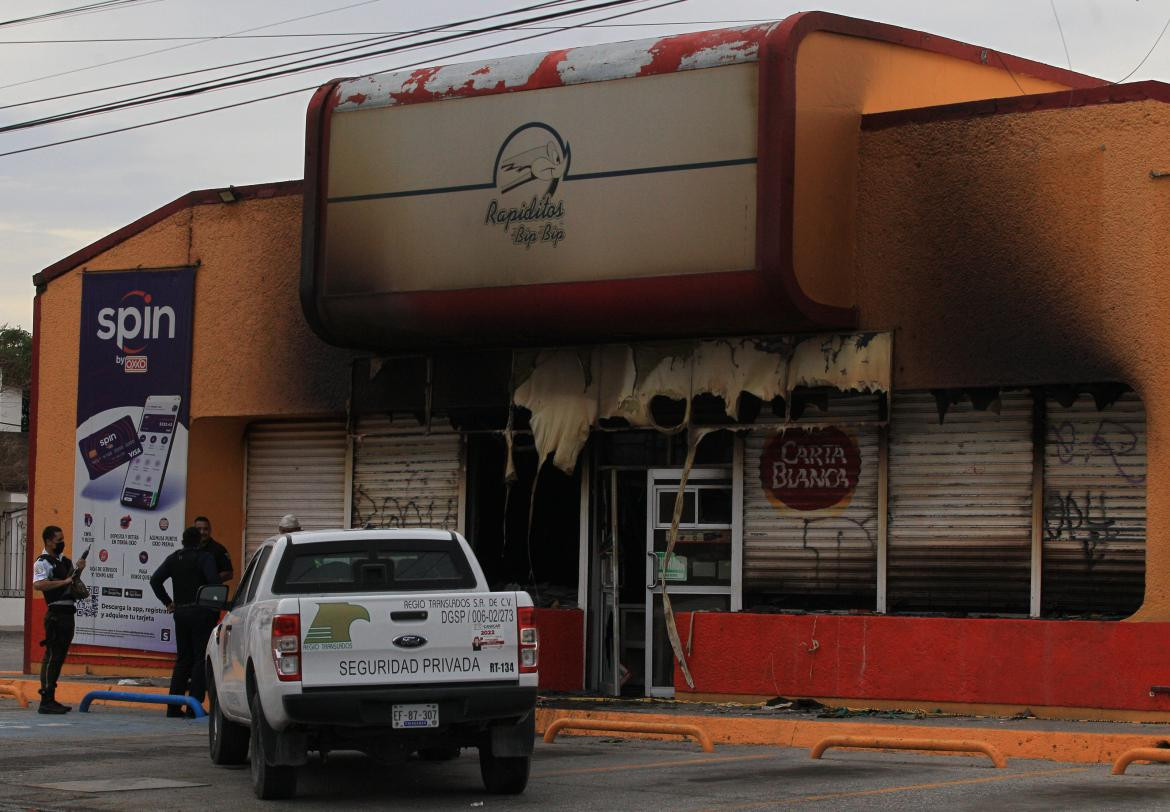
x,y
734,589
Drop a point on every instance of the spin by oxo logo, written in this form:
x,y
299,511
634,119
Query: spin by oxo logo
x,y
132,325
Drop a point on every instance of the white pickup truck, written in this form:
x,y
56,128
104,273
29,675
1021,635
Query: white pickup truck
x,y
383,641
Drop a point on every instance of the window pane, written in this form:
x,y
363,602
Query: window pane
x,y
714,506
666,501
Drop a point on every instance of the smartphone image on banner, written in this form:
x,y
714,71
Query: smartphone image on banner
x,y
156,432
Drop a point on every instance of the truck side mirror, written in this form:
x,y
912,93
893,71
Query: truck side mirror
x,y
212,596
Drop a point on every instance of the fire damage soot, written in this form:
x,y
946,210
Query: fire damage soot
x,y
389,666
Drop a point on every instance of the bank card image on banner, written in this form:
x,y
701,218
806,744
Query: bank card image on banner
x,y
110,447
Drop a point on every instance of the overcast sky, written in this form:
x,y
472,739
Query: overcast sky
x,y
57,200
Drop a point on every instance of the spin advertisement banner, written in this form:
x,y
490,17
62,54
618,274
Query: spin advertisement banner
x,y
130,479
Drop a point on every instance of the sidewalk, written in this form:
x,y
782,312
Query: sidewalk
x,y
801,725
1015,737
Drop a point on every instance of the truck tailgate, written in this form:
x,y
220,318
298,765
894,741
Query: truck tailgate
x,y
391,640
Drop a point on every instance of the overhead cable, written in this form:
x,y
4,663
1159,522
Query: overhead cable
x,y
335,48
184,45
443,58
293,68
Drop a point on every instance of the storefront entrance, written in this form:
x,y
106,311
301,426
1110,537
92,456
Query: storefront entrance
x,y
697,576
633,507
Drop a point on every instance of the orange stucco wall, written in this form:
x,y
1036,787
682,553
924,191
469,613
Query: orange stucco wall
x,y
1028,248
215,481
254,356
838,79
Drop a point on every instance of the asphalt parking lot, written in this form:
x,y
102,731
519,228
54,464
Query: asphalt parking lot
x,y
117,750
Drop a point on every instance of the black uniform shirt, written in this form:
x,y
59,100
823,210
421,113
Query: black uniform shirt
x,y
188,569
223,561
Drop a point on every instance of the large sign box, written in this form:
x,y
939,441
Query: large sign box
x,y
629,190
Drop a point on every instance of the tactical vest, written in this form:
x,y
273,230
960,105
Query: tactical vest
x,y
61,569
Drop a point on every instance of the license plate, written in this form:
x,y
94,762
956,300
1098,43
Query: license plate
x,y
422,715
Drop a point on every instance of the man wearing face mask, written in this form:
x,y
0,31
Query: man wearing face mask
x,y
53,576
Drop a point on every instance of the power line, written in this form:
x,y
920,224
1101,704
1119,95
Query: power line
x,y
1060,28
314,87
335,48
245,78
185,45
136,82
205,37
1138,66
75,11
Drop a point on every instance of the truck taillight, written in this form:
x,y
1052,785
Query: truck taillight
x,y
286,647
529,638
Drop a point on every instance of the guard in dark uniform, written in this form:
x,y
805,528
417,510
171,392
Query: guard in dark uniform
x,y
188,569
53,577
223,561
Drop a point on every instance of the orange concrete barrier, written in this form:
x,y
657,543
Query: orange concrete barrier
x,y
1140,754
694,731
14,690
893,743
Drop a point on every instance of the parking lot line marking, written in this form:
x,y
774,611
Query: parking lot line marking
x,y
654,765
833,796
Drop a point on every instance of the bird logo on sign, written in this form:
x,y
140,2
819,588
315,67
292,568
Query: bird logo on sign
x,y
532,153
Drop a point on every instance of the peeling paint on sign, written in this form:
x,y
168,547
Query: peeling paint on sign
x,y
593,63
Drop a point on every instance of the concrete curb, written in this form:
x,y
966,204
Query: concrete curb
x,y
71,693
1047,745
1063,746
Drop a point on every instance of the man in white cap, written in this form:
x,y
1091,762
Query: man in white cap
x,y
289,523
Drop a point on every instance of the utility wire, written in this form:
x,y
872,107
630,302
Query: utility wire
x,y
136,82
335,48
76,11
242,79
355,33
1060,28
185,45
313,87
1138,66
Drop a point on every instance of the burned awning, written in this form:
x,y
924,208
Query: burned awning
x,y
569,391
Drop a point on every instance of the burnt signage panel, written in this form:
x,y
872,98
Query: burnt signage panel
x,y
603,191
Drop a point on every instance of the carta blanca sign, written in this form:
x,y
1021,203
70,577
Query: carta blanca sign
x,y
130,480
810,469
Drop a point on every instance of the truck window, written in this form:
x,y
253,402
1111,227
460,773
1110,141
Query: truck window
x,y
262,559
373,565
245,581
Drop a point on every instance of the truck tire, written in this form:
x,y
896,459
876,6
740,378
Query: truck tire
x,y
227,741
269,781
503,775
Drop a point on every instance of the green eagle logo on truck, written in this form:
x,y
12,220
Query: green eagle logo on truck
x,y
330,628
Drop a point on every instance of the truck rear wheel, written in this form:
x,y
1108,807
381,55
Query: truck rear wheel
x,y
227,741
270,782
503,775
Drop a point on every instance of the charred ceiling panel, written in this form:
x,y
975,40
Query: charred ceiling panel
x,y
568,391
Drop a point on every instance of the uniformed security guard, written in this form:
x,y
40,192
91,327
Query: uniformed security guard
x,y
188,569
223,561
53,577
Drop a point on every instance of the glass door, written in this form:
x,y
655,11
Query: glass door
x,y
699,574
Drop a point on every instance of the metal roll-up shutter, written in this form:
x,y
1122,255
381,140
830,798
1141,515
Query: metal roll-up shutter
x,y
1094,507
294,467
960,496
406,479
822,558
